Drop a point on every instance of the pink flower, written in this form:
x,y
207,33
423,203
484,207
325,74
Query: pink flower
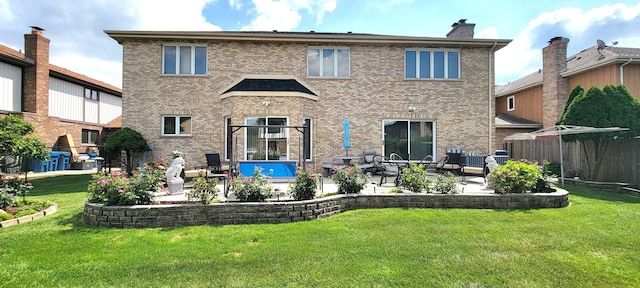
x,y
28,183
116,173
161,186
4,181
103,182
120,191
126,180
15,177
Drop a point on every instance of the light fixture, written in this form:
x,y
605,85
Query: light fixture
x,y
411,108
266,103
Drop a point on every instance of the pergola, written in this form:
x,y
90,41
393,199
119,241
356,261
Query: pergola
x,y
560,130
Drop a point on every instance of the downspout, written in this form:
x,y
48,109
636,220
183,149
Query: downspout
x,y
491,98
622,71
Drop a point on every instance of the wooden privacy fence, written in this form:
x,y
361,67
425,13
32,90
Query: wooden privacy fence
x,y
621,162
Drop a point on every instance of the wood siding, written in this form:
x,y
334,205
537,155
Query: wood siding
x,y
10,87
528,104
110,107
599,77
66,100
632,79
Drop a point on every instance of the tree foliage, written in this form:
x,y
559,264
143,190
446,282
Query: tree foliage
x,y
15,140
612,106
128,140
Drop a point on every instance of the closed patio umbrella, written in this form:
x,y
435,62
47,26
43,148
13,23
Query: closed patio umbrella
x,y
346,144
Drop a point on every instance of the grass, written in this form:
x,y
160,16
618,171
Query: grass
x,y
592,243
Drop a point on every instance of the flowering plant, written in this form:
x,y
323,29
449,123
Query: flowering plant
x,y
118,189
304,188
349,180
255,188
12,186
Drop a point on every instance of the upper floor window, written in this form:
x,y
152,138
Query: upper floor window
x,y
432,64
91,94
176,125
511,103
328,62
184,59
89,137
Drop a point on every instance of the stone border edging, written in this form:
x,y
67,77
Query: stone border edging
x,y
177,215
24,219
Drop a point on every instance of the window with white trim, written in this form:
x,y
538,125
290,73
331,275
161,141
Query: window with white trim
x,y
511,103
176,125
91,94
184,60
431,64
328,62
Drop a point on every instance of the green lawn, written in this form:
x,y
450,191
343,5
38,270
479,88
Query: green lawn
x,y
595,242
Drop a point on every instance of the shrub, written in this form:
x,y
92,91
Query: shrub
x,y
415,179
5,216
305,186
12,186
550,168
446,184
349,180
117,189
257,188
514,177
203,190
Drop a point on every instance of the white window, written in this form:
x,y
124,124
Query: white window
x,y
431,64
511,103
328,62
89,137
176,125
184,60
266,143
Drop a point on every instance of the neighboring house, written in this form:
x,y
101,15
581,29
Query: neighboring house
x,y
70,111
415,96
537,100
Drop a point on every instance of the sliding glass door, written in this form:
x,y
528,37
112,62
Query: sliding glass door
x,y
411,139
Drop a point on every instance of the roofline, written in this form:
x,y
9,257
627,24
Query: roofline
x,y
68,75
518,126
511,92
120,35
617,60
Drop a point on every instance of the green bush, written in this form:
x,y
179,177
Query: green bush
x,y
514,177
415,179
119,190
257,188
305,186
25,212
203,191
5,216
446,184
12,186
550,168
6,200
349,180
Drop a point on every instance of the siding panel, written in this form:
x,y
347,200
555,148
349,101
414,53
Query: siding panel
x,y
10,87
110,107
91,111
65,100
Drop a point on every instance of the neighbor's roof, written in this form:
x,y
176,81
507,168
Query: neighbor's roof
x,y
585,60
304,37
509,121
14,57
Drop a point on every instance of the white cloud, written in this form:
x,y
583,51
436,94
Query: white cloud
x,y
609,22
236,4
285,15
488,33
101,69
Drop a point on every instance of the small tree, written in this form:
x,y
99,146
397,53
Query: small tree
x,y
129,141
612,106
15,141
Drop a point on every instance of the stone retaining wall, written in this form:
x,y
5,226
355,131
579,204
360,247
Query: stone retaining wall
x,y
175,215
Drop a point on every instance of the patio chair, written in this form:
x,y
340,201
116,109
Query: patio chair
x,y
439,166
395,156
213,163
368,165
387,170
427,163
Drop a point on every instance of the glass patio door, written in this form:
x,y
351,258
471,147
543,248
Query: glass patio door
x,y
412,140
266,143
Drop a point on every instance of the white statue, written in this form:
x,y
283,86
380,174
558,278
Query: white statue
x,y
491,164
174,181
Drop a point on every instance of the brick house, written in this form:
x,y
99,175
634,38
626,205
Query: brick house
x,y
415,96
65,107
537,100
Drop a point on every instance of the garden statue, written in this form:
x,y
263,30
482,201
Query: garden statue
x,y
174,182
491,164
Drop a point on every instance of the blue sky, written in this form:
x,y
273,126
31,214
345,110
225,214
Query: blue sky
x,y
79,43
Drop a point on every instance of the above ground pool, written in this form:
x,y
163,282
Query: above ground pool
x,y
273,168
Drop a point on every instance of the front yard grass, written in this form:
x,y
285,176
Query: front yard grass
x,y
592,243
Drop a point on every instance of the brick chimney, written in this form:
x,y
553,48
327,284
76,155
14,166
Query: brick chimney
x,y
554,87
36,77
461,29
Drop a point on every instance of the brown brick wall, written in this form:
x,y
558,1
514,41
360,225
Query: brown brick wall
x,y
375,91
